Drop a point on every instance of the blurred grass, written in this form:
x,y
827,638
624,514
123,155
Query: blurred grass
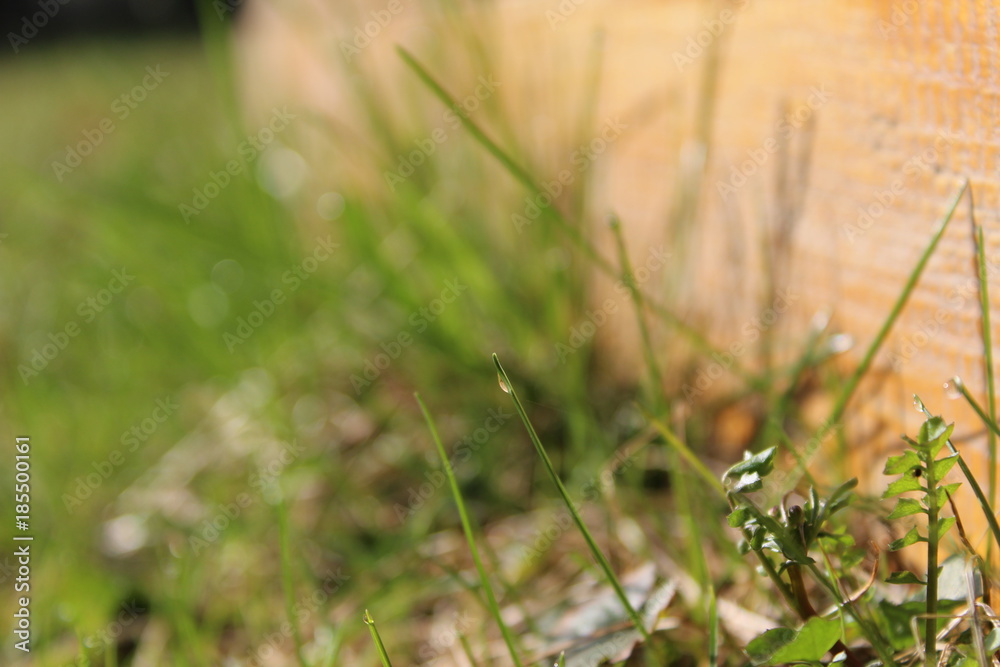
x,y
162,338
357,455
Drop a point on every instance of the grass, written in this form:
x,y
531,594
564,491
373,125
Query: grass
x,y
183,521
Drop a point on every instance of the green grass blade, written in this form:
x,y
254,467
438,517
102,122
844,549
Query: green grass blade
x,y
678,446
598,555
713,627
379,646
469,536
628,278
550,212
288,580
986,505
987,335
840,406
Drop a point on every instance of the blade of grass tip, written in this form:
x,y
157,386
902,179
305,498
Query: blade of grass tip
x,y
550,212
379,646
288,580
840,405
598,555
628,277
987,335
987,507
469,536
682,449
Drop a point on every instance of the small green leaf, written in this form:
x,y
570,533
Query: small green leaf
x,y
904,577
761,464
904,484
931,430
843,489
944,525
911,537
906,507
947,490
739,516
935,446
897,465
941,467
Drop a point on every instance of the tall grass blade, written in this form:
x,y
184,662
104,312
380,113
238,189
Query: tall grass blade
x,y
469,535
628,277
552,213
986,505
598,555
847,392
987,335
685,452
288,580
379,646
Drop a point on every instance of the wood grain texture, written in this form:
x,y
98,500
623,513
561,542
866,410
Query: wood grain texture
x,y
894,103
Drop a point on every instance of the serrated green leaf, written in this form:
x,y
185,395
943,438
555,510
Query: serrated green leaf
x,y
934,447
906,507
941,467
911,537
761,464
931,430
944,525
992,641
904,484
947,490
897,465
904,577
